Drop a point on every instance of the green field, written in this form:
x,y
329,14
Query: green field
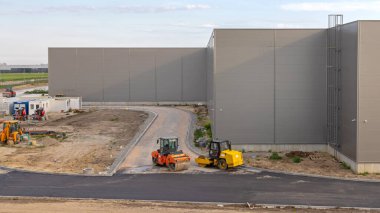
x,y
22,76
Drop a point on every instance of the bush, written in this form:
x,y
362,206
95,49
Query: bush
x,y
37,91
296,159
275,156
345,165
198,133
208,129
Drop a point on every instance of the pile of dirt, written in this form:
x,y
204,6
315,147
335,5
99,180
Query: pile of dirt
x,y
93,140
300,154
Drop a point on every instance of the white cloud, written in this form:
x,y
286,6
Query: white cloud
x,y
158,9
341,6
206,25
115,9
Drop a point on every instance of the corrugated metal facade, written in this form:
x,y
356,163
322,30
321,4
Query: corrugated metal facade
x,y
270,86
129,74
347,130
369,92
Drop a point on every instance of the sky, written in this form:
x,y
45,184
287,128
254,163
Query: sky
x,y
28,28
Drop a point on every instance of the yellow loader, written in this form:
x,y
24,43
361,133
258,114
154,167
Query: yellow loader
x,y
221,155
11,133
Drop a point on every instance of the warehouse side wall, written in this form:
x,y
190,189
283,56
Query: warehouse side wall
x,y
129,74
348,128
270,86
369,94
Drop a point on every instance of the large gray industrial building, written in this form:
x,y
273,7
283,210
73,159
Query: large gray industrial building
x,y
279,89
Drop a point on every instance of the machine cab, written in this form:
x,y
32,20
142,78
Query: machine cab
x,y
168,145
216,147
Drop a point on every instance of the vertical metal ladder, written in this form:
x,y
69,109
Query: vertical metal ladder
x,y
334,69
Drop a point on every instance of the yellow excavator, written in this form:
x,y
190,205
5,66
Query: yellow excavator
x,y
221,155
11,133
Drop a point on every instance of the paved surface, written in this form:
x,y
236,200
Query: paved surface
x,y
260,188
170,122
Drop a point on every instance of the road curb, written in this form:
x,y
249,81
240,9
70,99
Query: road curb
x,y
190,135
315,176
124,153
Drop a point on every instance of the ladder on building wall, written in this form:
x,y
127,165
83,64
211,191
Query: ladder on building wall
x,y
334,69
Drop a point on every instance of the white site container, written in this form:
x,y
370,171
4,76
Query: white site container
x,y
5,106
58,104
38,103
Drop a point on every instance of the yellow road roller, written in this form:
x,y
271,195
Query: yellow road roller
x,y
221,155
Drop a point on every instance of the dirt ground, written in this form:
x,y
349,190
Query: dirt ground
x,y
318,163
93,140
117,206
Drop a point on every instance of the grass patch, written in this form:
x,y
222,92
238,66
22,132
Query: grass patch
x,y
198,133
37,91
275,156
296,159
208,129
345,165
22,76
364,173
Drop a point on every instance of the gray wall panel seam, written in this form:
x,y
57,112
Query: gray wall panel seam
x,y
274,85
358,159
214,83
103,70
155,76
129,74
182,78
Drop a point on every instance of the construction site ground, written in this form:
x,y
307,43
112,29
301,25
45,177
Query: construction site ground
x,y
93,140
315,163
116,206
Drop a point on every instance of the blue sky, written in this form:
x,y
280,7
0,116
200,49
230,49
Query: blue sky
x,y
28,28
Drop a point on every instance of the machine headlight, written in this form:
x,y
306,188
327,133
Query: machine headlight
x,y
222,155
237,156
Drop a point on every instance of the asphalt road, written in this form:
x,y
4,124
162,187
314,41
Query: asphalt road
x,y
260,188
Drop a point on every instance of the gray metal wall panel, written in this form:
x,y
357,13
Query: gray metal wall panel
x,y
266,94
129,74
300,88
116,74
369,92
169,75
348,129
90,73
194,74
244,86
63,78
143,75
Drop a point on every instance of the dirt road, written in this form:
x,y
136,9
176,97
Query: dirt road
x,y
116,206
170,122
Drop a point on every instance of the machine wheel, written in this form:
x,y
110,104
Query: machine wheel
x,y
222,164
18,138
154,161
171,167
